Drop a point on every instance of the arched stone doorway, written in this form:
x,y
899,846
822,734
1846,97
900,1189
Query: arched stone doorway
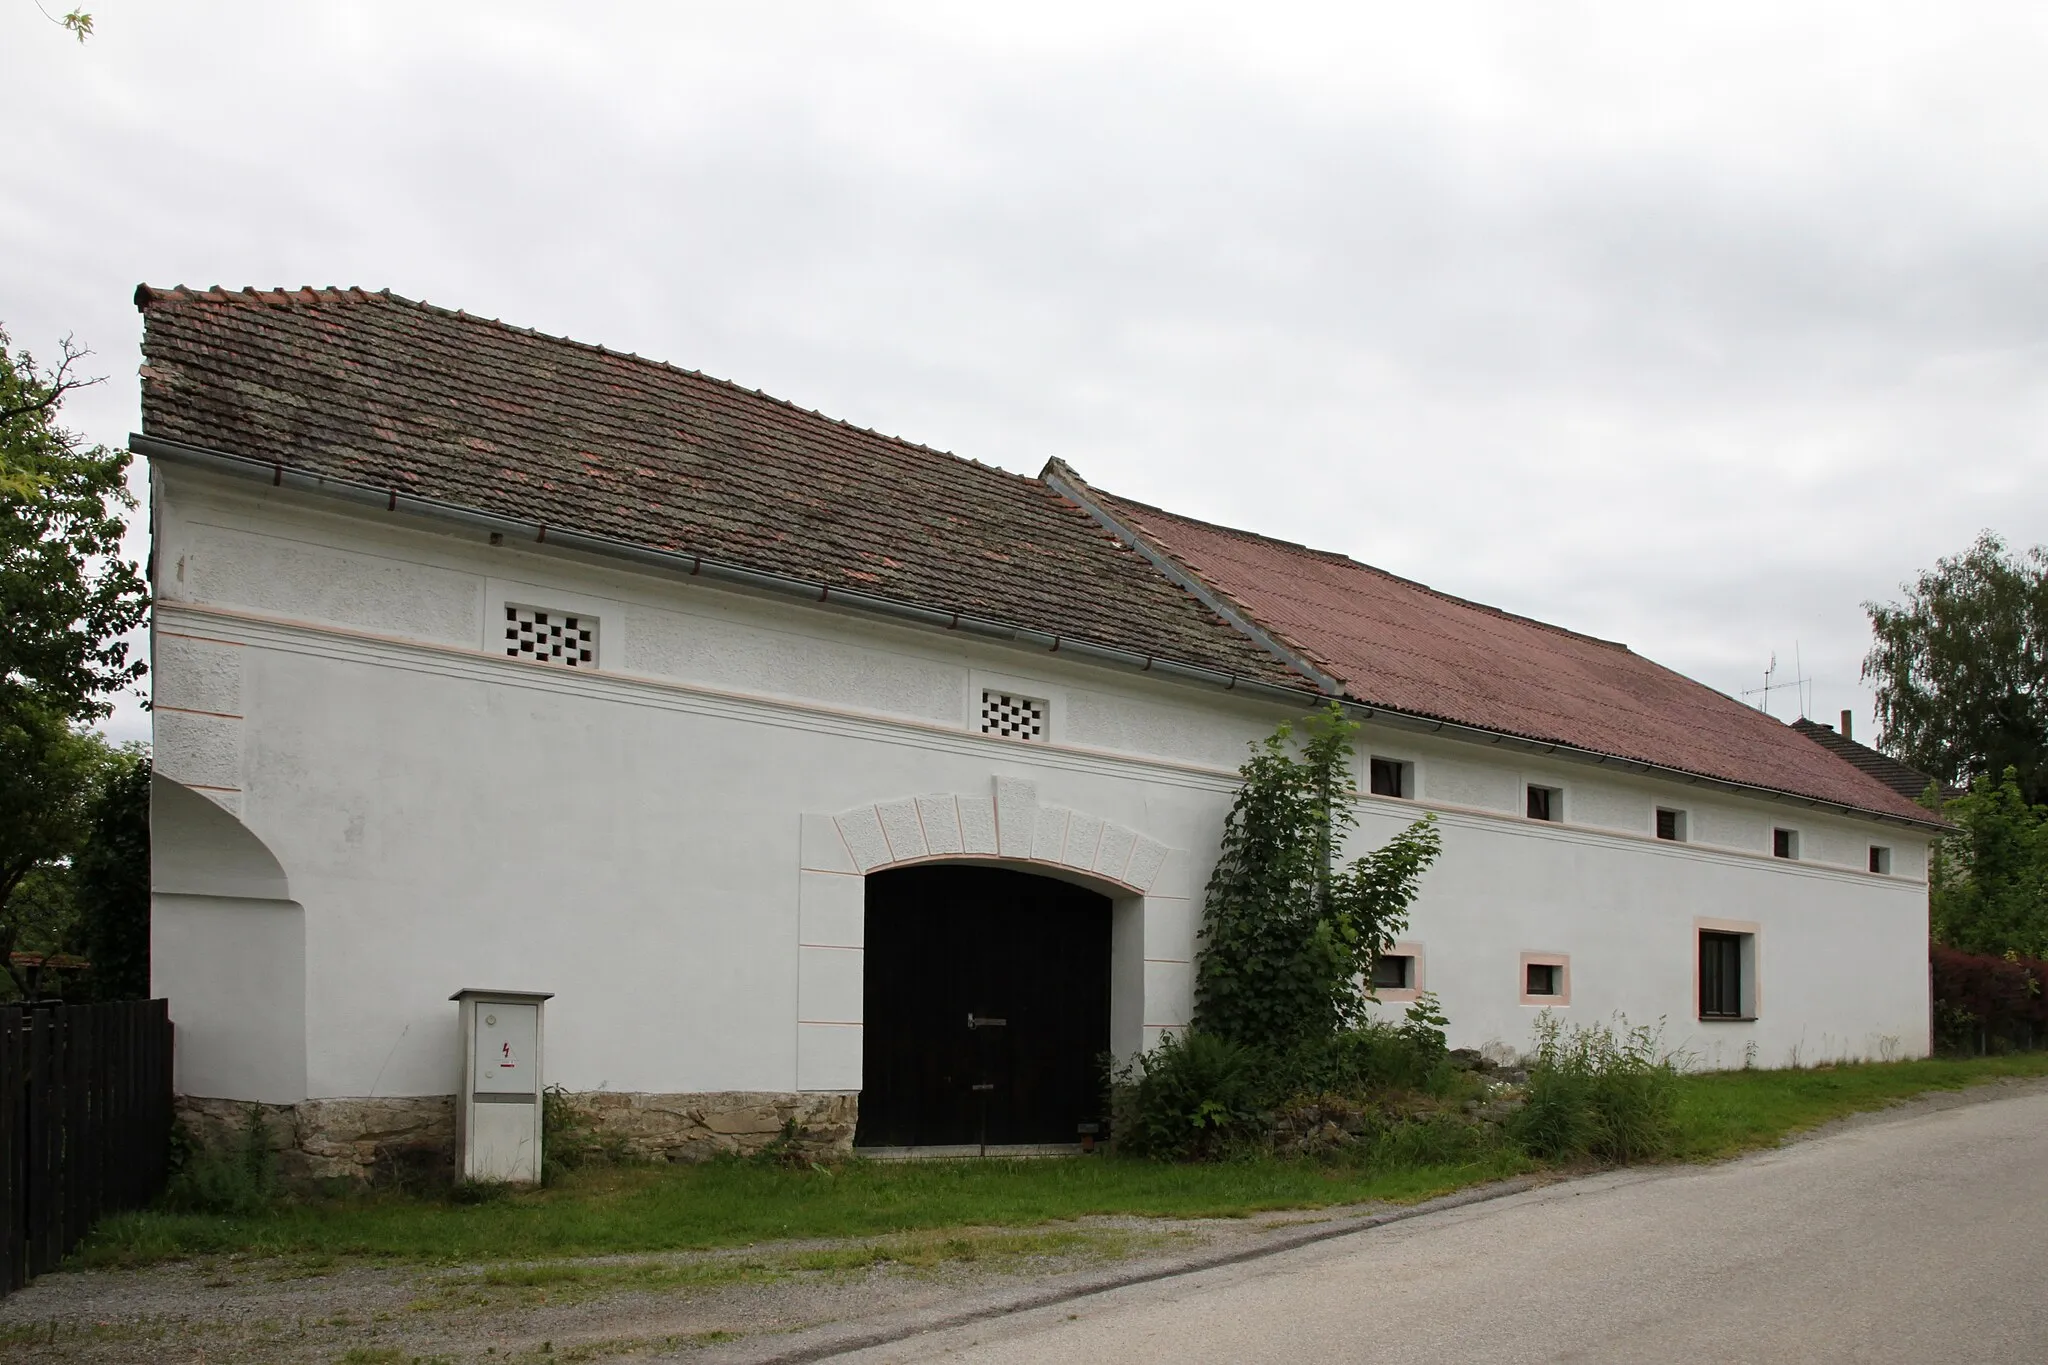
x,y
1151,920
987,997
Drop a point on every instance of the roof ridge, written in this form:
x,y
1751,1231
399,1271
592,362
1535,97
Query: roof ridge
x,y
147,295
1341,557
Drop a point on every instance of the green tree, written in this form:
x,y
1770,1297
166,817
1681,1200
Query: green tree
x,y
1288,936
68,597
1988,884
68,600
50,776
1961,668
110,881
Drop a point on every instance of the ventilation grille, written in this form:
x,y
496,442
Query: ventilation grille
x,y
1012,717
550,637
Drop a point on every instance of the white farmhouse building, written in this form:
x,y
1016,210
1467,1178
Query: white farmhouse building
x,y
824,777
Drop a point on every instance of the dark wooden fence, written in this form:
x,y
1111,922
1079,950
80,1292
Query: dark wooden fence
x,y
85,1124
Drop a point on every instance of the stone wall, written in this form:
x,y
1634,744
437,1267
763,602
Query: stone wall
x,y
412,1139
736,1122
362,1141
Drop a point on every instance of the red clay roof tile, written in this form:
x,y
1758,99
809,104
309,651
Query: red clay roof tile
x,y
1403,646
381,390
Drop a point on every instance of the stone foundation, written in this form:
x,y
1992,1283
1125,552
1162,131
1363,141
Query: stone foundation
x,y
726,1122
412,1139
361,1141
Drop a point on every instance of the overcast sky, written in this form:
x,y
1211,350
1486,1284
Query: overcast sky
x,y
1694,328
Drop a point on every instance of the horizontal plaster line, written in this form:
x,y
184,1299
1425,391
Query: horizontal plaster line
x,y
831,872
195,711
669,563
833,1023
670,694
199,786
204,639
1478,817
836,947
222,896
1182,1024
199,460
1636,836
1178,961
343,532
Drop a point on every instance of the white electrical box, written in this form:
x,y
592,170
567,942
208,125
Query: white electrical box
x,y
497,1115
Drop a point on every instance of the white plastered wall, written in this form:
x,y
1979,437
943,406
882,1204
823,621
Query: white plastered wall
x,y
647,841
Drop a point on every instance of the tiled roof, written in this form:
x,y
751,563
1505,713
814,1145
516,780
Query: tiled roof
x,y
1907,782
384,391
1397,644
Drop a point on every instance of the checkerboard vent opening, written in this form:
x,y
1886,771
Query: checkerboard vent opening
x,y
1013,717
550,637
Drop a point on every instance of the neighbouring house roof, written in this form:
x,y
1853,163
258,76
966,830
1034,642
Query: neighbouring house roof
x,y
379,390
1397,644
1907,781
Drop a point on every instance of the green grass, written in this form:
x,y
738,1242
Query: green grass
x,y
626,1209
1722,1113
647,1209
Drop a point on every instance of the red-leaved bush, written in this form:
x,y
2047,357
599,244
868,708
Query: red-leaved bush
x,y
1984,1003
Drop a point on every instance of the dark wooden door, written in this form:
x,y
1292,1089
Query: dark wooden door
x,y
987,1004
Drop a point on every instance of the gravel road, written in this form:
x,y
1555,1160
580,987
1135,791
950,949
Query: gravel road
x,y
1915,1237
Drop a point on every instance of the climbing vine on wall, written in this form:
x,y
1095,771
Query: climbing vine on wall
x,y
1289,935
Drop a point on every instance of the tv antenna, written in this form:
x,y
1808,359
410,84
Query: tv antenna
x,y
1798,683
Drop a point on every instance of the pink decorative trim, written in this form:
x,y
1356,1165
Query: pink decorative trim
x,y
1563,963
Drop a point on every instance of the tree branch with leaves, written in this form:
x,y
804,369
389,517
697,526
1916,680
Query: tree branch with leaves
x,y
1289,937
1960,668
69,601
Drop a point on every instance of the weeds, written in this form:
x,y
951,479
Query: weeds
x,y
1603,1090
571,1136
240,1182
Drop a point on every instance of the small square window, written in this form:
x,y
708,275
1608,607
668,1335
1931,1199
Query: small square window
x,y
1546,979
1785,843
1392,777
1671,825
1880,859
1393,972
1725,969
1546,803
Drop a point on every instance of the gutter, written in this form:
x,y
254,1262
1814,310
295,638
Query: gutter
x,y
279,475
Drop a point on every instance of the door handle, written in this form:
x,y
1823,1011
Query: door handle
x,y
984,1021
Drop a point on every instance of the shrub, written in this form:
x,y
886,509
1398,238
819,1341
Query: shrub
x,y
238,1182
1196,1096
1288,934
1601,1090
1200,1096
1374,1057
1984,1003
